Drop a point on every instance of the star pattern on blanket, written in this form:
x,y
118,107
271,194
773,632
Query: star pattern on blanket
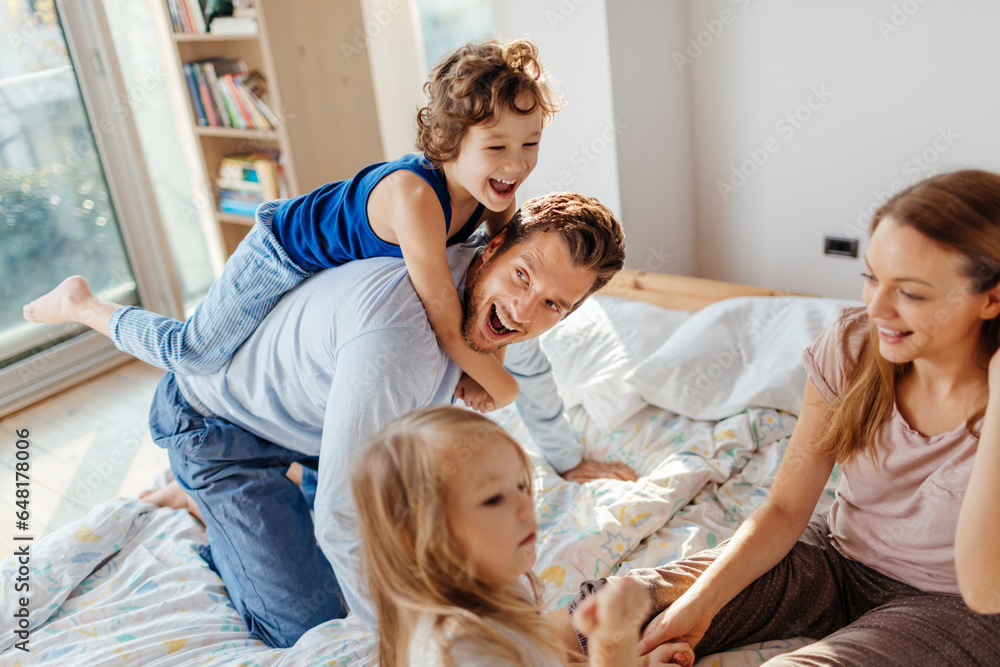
x,y
772,420
617,545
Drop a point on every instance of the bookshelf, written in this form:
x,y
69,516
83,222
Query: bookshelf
x,y
321,92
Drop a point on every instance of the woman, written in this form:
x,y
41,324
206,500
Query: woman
x,y
905,568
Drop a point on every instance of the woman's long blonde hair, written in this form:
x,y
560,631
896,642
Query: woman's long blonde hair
x,y
413,562
960,211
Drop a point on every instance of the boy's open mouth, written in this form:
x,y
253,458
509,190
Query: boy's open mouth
x,y
502,187
498,325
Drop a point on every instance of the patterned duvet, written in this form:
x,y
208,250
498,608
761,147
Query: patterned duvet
x,y
126,585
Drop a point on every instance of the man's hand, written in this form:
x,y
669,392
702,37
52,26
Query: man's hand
x,y
473,395
587,471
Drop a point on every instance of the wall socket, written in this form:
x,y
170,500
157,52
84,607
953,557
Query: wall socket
x,y
840,247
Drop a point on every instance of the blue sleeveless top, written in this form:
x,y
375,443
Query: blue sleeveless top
x,y
329,226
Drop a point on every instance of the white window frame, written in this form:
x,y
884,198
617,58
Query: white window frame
x,y
105,99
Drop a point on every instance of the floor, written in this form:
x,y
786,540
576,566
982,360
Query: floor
x,y
88,444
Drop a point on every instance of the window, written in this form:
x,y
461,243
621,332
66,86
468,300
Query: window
x,y
448,24
56,214
74,196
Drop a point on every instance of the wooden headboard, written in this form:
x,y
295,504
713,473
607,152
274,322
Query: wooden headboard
x,y
681,292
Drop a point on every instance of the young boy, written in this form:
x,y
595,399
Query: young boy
x,y
478,135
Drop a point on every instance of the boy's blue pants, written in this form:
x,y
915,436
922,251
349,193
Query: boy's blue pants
x,y
255,278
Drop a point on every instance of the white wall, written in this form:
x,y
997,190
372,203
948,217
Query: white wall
x,y
392,37
894,105
900,89
652,108
578,150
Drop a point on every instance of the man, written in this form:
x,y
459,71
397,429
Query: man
x,y
339,357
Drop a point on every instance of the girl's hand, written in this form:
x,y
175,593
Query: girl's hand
x,y
611,620
686,620
473,395
621,605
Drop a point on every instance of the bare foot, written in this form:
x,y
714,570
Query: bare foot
x,y
295,473
63,304
172,495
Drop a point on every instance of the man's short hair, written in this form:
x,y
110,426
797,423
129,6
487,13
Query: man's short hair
x,y
591,231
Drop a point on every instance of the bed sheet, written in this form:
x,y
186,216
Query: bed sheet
x,y
127,584
713,517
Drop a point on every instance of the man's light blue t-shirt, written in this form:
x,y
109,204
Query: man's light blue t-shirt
x,y
340,356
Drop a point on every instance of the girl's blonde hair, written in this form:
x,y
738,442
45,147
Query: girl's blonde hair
x,y
413,562
961,212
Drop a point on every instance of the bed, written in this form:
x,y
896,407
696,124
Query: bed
x,y
693,383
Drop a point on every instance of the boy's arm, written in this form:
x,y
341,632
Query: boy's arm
x,y
422,237
496,221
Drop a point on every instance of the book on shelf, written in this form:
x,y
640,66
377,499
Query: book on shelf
x,y
212,16
205,96
225,93
187,16
239,208
247,180
195,94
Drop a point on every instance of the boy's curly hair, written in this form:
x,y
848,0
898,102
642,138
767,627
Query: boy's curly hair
x,y
474,85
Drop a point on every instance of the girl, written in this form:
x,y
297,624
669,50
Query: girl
x,y
478,135
905,395
447,522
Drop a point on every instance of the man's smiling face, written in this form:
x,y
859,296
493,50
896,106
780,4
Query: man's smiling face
x,y
522,292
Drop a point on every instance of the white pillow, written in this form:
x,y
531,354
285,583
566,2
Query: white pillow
x,y
595,347
734,354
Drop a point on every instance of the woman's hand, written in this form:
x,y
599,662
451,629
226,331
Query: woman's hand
x,y
686,620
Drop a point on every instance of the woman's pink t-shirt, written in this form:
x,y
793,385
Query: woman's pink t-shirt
x,y
901,519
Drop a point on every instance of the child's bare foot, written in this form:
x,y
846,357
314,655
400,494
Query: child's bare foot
x,y
63,304
672,654
682,654
172,495
295,473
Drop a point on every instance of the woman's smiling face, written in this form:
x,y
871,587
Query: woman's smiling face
x,y
919,295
